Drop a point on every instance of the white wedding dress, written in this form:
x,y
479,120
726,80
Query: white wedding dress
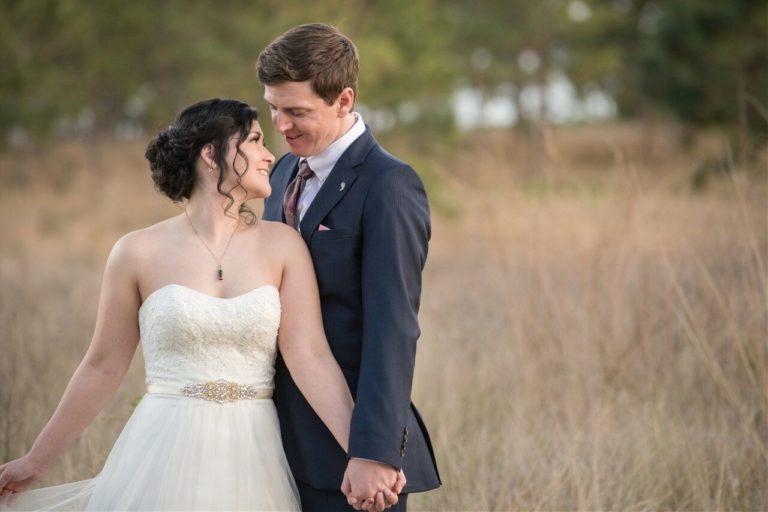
x,y
206,435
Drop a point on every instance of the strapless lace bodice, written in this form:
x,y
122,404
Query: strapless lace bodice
x,y
188,336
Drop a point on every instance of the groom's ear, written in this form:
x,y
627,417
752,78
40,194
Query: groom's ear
x,y
346,101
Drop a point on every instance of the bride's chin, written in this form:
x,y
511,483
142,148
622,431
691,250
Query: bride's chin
x,y
259,194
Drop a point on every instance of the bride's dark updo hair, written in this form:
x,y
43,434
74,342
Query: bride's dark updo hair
x,y
172,154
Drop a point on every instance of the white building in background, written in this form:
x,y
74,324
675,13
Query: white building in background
x,y
471,110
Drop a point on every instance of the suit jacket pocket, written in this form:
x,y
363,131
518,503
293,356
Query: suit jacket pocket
x,y
335,254
331,234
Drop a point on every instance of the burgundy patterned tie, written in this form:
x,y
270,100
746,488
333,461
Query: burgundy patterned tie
x,y
293,193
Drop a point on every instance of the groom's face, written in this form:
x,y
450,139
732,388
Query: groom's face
x,y
307,122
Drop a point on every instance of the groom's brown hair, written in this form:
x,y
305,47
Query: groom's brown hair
x,y
314,52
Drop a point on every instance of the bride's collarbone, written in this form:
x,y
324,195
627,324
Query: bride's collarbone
x,y
181,261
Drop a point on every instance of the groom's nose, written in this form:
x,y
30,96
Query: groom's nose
x,y
282,122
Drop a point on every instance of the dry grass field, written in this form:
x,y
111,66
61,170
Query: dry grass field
x,y
595,337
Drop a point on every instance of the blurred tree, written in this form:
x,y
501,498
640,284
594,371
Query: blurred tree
x,y
519,50
506,46
407,61
73,66
604,49
82,66
707,62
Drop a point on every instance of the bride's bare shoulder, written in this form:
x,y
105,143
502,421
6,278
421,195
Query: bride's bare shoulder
x,y
137,245
279,233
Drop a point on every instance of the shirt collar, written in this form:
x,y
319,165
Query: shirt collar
x,y
322,163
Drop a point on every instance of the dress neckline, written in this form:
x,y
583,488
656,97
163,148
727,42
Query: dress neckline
x,y
198,292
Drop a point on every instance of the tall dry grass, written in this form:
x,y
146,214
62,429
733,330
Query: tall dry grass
x,y
592,340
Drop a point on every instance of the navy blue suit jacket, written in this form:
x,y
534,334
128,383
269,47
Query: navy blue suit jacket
x,y
368,267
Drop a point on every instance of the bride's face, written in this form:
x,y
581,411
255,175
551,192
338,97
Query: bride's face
x,y
253,169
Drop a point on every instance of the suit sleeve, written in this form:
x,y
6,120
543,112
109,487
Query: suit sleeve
x,y
396,230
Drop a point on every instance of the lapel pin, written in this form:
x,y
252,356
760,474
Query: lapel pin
x,y
341,187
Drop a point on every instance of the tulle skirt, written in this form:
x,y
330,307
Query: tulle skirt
x,y
180,453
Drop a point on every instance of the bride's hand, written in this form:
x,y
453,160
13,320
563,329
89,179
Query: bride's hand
x,y
18,475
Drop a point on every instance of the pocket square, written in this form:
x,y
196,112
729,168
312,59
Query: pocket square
x,y
322,227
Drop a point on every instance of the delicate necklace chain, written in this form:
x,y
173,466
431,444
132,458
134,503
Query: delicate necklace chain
x,y
219,271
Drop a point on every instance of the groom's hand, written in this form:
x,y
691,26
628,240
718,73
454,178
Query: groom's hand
x,y
371,485
386,498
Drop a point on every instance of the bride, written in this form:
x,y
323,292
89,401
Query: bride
x,y
211,293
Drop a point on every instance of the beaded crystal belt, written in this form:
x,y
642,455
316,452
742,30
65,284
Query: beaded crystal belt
x,y
219,391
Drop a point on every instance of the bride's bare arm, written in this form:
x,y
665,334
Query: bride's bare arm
x,y
95,380
303,344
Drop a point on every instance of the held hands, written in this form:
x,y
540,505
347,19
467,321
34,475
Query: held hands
x,y
370,485
18,475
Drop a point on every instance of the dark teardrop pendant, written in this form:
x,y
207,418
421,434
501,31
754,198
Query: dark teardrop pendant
x,y
221,274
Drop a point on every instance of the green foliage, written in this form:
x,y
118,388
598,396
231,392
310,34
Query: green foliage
x,y
706,57
142,60
82,66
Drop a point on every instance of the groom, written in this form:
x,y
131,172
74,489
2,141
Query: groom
x,y
365,218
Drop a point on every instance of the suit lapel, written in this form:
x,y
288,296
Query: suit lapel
x,y
336,185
